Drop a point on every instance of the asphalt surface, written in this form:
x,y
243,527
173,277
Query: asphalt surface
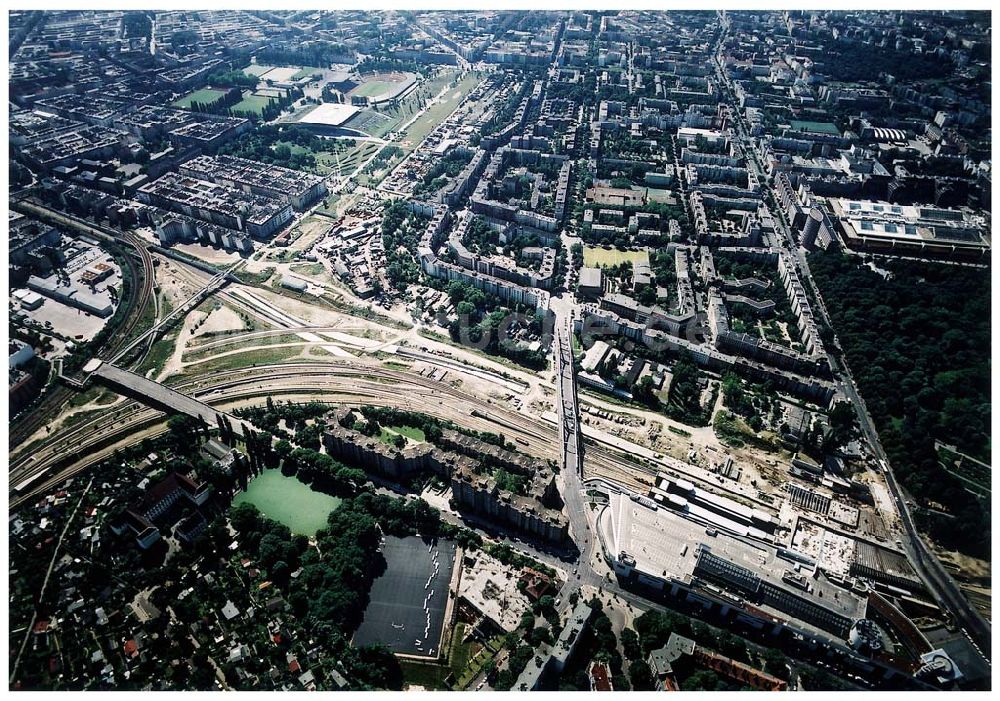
x,y
572,464
396,615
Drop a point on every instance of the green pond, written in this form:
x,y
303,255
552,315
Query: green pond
x,y
288,501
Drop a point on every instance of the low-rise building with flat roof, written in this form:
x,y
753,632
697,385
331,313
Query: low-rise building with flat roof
x,y
73,295
656,545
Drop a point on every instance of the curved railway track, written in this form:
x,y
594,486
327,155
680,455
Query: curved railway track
x,y
139,295
360,383
94,439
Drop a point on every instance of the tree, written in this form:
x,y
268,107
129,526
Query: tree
x,y
283,449
641,676
465,308
546,603
630,644
647,296
245,518
644,392
541,635
775,663
703,680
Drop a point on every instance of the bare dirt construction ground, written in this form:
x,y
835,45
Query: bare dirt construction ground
x,y
973,576
306,310
311,230
219,321
175,286
257,265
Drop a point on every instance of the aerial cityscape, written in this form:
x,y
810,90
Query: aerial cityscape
x,y
499,350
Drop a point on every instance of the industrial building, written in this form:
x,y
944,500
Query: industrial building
x,y
908,229
72,294
660,545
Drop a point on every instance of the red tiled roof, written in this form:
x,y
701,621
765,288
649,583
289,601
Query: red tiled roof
x,y
600,675
165,487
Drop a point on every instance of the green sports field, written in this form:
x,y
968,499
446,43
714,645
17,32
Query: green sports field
x,y
205,96
252,103
372,89
596,256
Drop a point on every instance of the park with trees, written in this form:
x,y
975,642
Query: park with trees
x,y
917,340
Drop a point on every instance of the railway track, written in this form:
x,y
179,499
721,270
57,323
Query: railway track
x,y
139,296
351,384
95,438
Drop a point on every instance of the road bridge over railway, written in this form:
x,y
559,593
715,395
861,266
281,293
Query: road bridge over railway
x,y
157,396
572,460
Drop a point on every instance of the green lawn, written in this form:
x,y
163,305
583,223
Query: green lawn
x,y
348,162
326,161
390,432
597,256
372,89
294,148
288,501
237,361
329,205
252,103
439,111
309,268
428,675
461,653
475,665
306,71
205,95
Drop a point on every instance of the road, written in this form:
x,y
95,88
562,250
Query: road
x,y
45,582
940,584
572,461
